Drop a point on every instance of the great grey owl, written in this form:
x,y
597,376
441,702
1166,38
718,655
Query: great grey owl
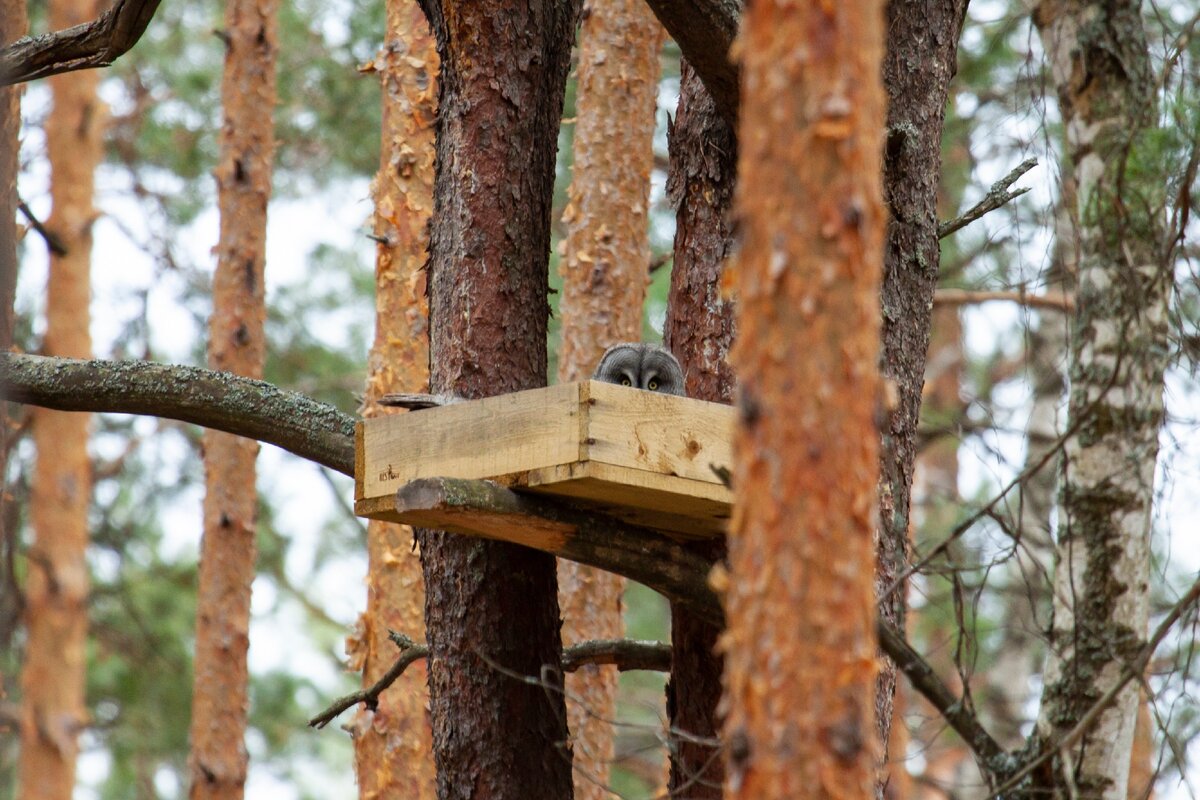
x,y
643,366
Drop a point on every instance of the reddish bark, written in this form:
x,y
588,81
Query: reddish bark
x,y
491,608
392,743
56,590
698,330
605,272
236,344
800,646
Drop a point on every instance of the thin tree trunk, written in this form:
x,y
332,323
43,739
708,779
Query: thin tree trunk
x,y
491,608
393,742
56,589
605,271
1100,62
699,330
13,23
800,668
923,33
236,344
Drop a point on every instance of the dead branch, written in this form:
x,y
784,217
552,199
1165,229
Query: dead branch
x,y
54,243
996,197
217,400
1058,301
93,44
624,654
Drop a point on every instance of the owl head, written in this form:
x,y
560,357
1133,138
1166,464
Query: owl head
x,y
643,366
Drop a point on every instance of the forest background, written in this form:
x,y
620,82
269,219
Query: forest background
x,y
151,300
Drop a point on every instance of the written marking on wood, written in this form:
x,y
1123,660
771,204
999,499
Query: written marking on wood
x,y
644,457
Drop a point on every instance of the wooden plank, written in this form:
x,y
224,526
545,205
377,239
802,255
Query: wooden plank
x,y
657,433
488,438
689,508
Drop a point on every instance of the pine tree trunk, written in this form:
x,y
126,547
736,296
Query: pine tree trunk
x,y
56,589
237,344
924,33
605,270
699,330
800,651
393,743
491,609
1100,62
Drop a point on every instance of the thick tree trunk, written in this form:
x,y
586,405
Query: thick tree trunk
x,y
800,647
925,33
56,589
237,344
1100,63
699,330
393,742
491,608
605,270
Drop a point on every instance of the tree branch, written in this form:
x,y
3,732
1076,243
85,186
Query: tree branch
x,y
704,31
997,196
93,44
1058,301
217,400
488,510
950,706
625,654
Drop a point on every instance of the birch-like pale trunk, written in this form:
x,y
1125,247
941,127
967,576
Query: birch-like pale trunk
x,y
1100,63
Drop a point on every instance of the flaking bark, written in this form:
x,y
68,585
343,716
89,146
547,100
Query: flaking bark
x,y
237,343
605,272
393,741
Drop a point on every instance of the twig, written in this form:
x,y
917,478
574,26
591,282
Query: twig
x,y
93,44
625,654
922,677
410,651
1133,669
997,197
52,241
1060,301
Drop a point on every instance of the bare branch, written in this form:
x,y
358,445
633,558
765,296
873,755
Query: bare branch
x,y
625,654
54,243
997,197
1059,301
217,400
922,677
93,44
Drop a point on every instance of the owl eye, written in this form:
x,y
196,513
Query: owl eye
x,y
626,382
652,385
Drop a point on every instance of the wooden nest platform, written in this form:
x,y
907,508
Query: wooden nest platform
x,y
648,459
